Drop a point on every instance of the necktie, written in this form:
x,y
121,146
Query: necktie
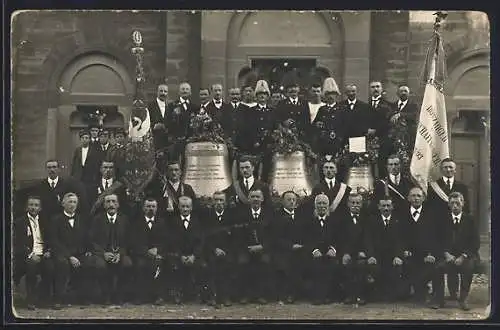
x,y
186,222
400,106
246,184
112,220
455,220
351,105
219,217
292,215
71,222
52,184
386,221
374,103
235,105
330,184
415,214
321,222
106,185
255,215
354,219
448,184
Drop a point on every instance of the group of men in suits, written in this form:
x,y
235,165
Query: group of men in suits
x,y
327,248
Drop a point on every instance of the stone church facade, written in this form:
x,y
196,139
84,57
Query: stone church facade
x,y
68,62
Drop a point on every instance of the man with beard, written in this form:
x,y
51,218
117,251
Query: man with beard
x,y
159,117
109,239
220,111
107,184
321,245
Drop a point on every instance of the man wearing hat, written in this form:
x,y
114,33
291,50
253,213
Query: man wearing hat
x,y
293,109
326,129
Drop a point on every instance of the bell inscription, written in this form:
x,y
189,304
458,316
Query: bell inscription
x,y
289,172
360,177
207,167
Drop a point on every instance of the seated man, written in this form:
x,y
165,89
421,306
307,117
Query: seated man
x,y
190,270
109,238
321,244
70,250
219,247
253,250
353,249
385,252
149,253
288,252
461,246
32,252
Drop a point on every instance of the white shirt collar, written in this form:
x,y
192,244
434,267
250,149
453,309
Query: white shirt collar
x,y
106,146
294,100
322,217
256,212
395,178
331,105
184,100
217,102
33,218
219,214
289,212
455,216
451,180
148,219
111,217
160,102
262,106
85,148
328,181
250,180
376,98
187,217
235,104
110,181
352,102
69,215
402,102
56,180
175,184
412,209
385,219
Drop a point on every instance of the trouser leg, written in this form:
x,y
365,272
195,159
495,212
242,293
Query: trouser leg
x,y
62,275
265,276
466,272
32,270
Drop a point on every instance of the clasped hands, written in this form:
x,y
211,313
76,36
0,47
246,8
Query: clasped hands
x,y
153,253
112,257
450,258
188,260
255,248
331,253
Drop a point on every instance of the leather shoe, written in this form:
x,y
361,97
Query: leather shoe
x,y
262,301
436,305
227,303
349,301
243,301
463,305
289,300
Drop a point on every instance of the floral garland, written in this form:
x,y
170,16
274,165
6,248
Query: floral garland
x,y
360,159
285,140
400,138
205,129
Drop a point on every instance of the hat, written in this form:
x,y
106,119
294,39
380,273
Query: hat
x,y
83,132
262,87
330,86
121,131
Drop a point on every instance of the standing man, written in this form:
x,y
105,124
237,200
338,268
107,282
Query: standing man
x,y
353,249
461,249
159,117
321,246
220,111
253,247
149,252
394,185
248,96
293,109
204,95
94,135
71,250
169,188
288,230
419,232
403,113
219,248
357,115
32,255
326,128
247,182
179,115
385,247
109,239
239,113
337,192
85,162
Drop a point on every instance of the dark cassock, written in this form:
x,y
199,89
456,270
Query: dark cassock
x,y
223,113
460,236
219,251
110,233
31,238
152,271
69,235
419,232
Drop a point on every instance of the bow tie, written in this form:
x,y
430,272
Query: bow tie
x,y
149,220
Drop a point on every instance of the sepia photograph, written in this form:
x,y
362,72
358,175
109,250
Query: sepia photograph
x,y
250,165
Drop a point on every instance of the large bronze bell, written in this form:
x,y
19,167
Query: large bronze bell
x,y
290,172
360,178
207,167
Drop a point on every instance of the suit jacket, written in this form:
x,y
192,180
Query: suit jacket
x,y
239,116
144,238
462,238
90,171
160,137
380,116
224,116
287,231
421,237
299,113
354,235
52,197
409,113
258,127
98,190
178,124
356,121
322,188
254,231
257,184
23,236
69,241
325,133
104,235
384,242
157,189
440,205
322,238
187,241
219,233
403,188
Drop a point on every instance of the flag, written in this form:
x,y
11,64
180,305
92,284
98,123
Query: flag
x,y
431,141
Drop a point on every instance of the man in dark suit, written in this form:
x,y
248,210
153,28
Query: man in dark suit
x,y
394,185
253,247
117,152
326,129
32,254
289,254
321,244
247,182
150,248
353,250
337,192
461,248
248,95
221,111
167,190
110,240
239,115
191,272
52,189
204,95
421,254
94,130
159,117
108,184
357,116
70,249
293,109
405,113
85,163
179,115
385,254
219,250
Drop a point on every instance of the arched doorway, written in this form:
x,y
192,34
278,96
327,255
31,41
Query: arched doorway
x,y
92,81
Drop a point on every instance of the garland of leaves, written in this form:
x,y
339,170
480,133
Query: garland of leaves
x,y
400,137
360,159
285,140
205,129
